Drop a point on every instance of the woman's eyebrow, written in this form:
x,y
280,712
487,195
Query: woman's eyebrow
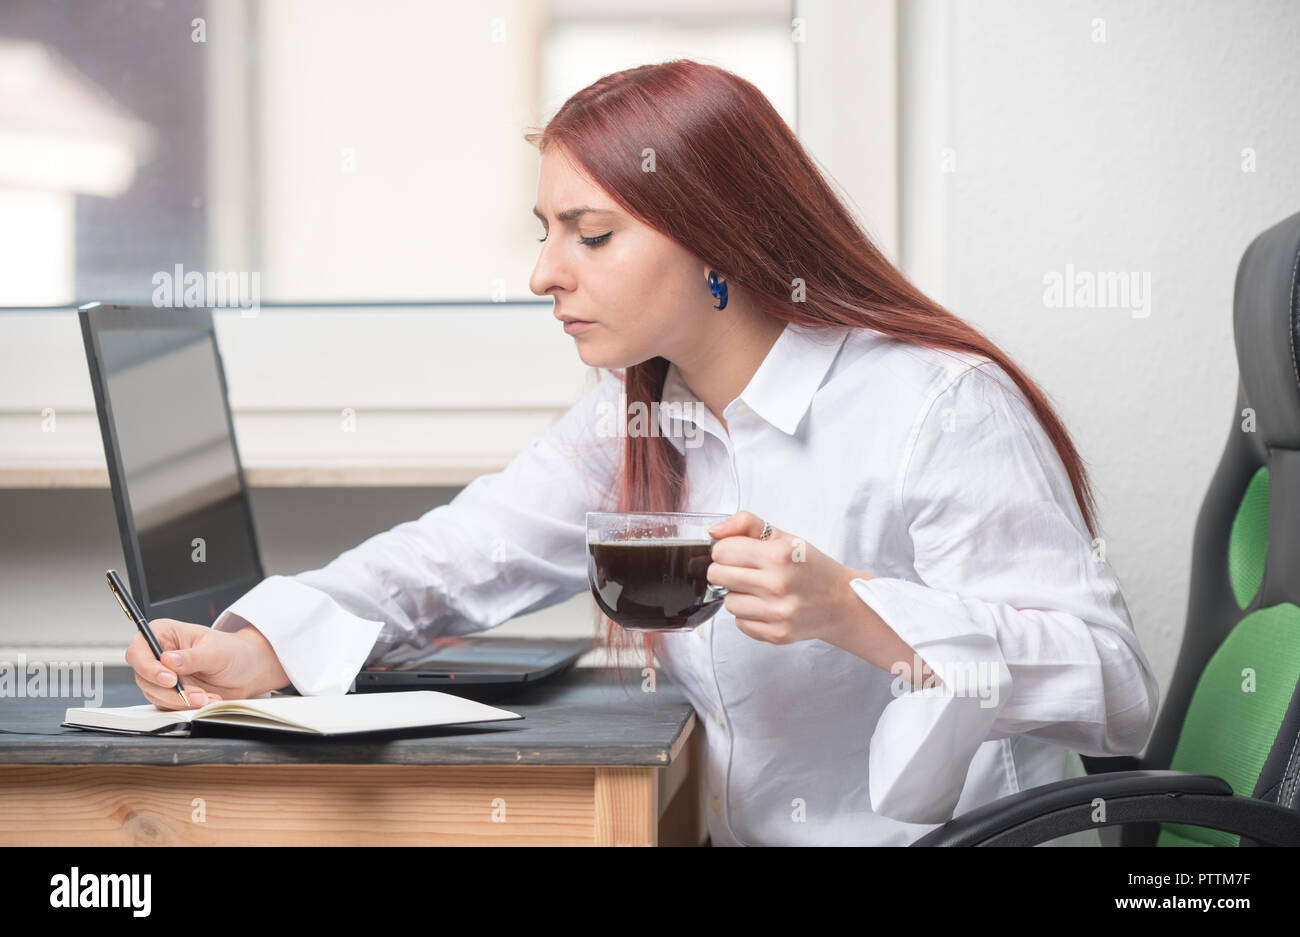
x,y
571,213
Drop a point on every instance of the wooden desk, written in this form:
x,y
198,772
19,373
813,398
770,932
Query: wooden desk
x,y
590,764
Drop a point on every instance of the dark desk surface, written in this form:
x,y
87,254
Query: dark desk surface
x,y
581,717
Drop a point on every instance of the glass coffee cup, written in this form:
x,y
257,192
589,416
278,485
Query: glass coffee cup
x,y
649,571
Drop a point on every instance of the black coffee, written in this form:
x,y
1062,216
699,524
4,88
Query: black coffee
x,y
655,585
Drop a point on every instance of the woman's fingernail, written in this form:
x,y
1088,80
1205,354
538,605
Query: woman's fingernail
x,y
172,658
166,678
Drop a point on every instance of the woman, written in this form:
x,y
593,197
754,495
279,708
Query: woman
x,y
917,621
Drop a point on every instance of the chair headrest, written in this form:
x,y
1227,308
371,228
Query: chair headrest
x,y
1266,325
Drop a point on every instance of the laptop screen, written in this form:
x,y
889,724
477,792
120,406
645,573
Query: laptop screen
x,y
165,391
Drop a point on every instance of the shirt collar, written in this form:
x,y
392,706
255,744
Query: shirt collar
x,y
780,391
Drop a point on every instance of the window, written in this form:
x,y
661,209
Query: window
x,y
360,164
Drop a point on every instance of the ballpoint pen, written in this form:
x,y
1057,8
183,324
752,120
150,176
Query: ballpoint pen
x,y
133,612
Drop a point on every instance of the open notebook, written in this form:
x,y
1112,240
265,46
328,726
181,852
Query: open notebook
x,y
310,715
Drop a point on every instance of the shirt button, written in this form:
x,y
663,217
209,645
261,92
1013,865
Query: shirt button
x,y
718,716
715,804
741,408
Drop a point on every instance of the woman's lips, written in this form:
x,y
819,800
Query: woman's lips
x,y
577,326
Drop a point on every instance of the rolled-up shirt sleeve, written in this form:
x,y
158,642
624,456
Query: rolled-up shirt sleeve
x,y
509,543
1016,610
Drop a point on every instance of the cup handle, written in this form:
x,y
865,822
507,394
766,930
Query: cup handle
x,y
712,592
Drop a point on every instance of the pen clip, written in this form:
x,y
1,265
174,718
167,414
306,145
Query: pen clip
x,y
126,611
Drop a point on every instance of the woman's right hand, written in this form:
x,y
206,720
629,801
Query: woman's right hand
x,y
214,665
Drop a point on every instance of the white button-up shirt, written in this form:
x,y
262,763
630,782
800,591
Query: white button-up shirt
x,y
925,470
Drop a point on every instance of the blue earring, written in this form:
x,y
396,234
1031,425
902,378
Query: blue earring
x,y
718,288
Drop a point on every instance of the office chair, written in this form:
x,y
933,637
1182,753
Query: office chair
x,y
1223,764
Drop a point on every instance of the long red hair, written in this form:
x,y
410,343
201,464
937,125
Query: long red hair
x,y
735,187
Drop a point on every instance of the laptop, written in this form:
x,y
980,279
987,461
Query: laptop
x,y
173,465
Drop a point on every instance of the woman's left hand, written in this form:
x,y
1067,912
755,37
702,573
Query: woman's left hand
x,y
782,589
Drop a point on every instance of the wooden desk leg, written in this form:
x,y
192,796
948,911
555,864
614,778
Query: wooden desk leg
x,y
626,805
654,806
682,821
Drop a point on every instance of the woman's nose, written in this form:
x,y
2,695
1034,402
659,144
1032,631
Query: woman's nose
x,y
550,271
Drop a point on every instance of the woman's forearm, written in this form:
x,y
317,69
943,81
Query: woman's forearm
x,y
865,634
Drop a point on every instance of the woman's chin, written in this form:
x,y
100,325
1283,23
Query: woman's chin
x,y
606,353
595,356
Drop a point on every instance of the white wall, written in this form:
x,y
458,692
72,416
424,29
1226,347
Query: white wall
x,y
848,105
1122,155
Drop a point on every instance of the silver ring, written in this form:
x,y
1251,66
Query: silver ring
x,y
767,531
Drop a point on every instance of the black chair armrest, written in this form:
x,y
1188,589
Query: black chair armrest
x,y
1043,813
1108,764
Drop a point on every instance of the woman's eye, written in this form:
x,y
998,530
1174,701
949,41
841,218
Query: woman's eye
x,y
590,242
